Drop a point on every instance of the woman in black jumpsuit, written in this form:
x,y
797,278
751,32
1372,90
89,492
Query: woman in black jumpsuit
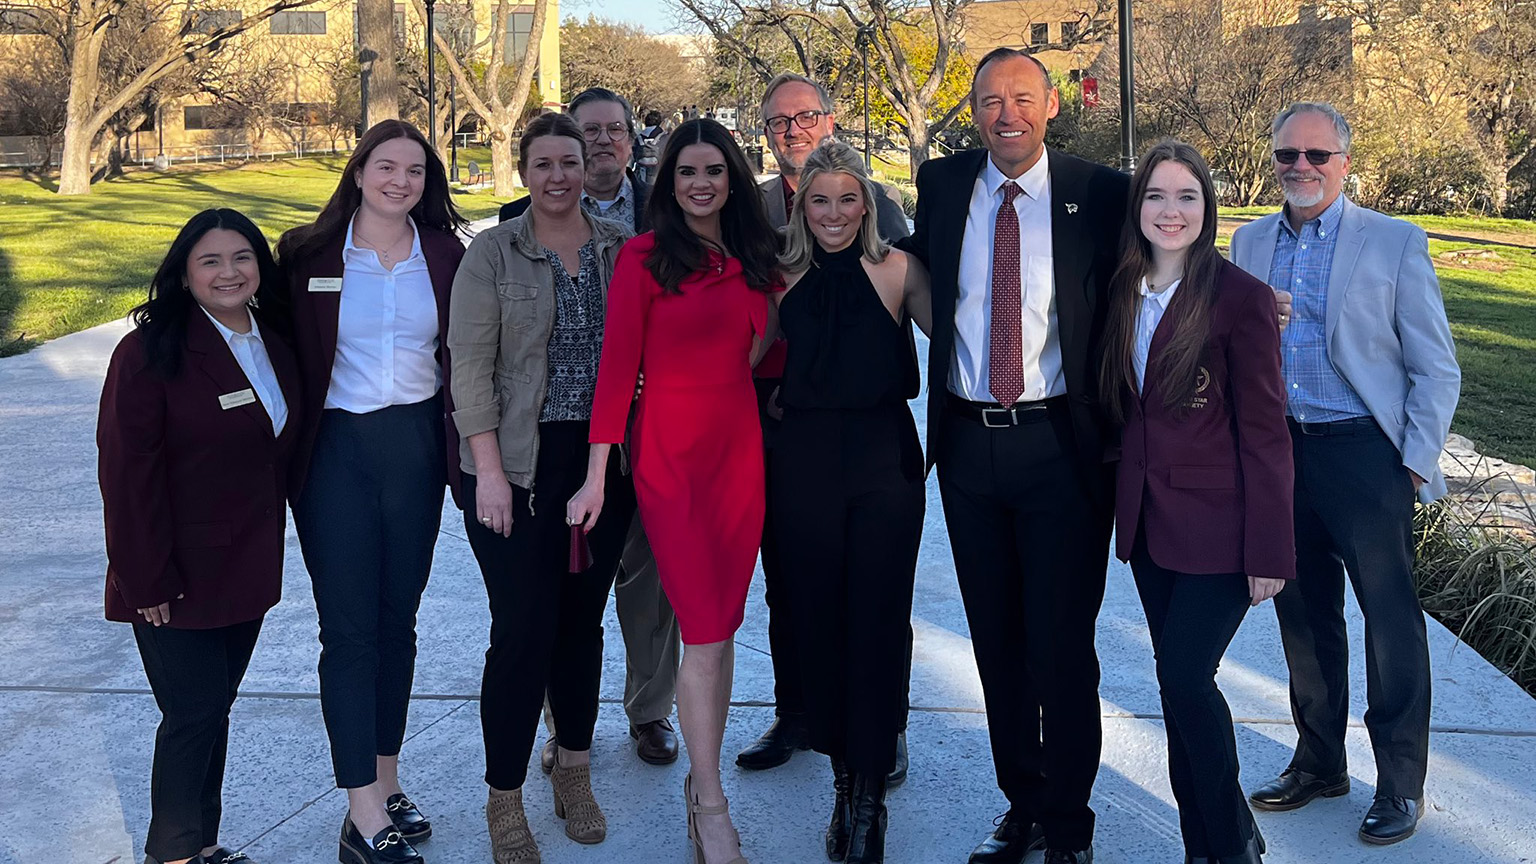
x,y
847,494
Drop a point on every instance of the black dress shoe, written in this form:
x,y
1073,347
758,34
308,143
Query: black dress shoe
x,y
1058,856
224,856
1390,819
655,742
1015,837
866,809
783,738
412,824
838,826
547,755
388,847
898,774
1295,788
1251,853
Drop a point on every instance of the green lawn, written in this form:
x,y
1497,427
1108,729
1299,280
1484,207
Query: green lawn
x,y
71,263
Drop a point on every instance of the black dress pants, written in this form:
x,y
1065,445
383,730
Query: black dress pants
x,y
194,675
1354,515
1031,549
847,503
1192,619
788,690
367,522
546,622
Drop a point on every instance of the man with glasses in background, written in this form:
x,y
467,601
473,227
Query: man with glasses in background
x,y
1372,382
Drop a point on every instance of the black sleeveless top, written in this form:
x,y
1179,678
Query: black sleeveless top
x,y
845,349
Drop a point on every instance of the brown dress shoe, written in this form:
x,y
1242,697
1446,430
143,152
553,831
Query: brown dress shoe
x,y
655,742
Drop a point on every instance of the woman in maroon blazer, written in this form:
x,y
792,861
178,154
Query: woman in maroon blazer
x,y
1191,371
199,416
368,285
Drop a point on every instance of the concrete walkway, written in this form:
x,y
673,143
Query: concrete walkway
x,y
77,721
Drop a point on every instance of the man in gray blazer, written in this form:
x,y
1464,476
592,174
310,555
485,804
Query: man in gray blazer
x,y
1372,383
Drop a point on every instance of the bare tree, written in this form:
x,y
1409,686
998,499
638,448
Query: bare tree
x,y
651,73
376,57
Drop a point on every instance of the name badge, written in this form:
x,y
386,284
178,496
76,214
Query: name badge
x,y
237,398
330,285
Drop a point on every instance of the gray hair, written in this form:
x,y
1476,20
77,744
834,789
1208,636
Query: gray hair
x,y
831,157
791,78
1340,125
603,94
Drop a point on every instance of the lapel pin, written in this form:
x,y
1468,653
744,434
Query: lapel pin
x,y
1071,208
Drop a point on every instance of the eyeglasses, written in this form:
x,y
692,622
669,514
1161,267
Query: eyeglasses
x,y
805,120
616,131
1289,155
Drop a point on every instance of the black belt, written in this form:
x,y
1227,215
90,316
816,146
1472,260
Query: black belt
x,y
995,416
1349,426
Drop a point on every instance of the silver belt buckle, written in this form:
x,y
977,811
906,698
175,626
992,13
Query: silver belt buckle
x,y
1010,413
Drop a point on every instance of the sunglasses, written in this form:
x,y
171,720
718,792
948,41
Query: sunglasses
x,y
1289,155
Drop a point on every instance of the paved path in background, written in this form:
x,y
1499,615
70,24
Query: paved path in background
x,y
77,720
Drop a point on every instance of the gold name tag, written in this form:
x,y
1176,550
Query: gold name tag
x,y
330,285
237,398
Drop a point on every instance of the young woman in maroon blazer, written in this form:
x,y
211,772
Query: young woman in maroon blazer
x,y
1191,372
199,417
368,284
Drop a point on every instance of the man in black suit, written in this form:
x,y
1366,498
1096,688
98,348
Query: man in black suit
x,y
1021,242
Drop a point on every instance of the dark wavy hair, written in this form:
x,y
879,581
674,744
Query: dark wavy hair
x,y
162,319
744,228
1177,365
434,210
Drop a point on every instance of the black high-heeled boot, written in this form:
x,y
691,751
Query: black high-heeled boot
x,y
837,828
866,840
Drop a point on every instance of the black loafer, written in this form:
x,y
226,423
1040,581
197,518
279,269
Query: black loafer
x,y
388,847
786,735
225,856
1058,856
412,824
1015,837
1391,818
898,774
1295,788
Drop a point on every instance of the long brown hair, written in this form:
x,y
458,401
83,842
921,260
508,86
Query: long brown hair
x,y
1176,367
434,210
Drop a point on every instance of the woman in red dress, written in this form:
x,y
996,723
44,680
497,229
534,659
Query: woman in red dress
x,y
688,307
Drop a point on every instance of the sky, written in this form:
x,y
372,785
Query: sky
x,y
656,16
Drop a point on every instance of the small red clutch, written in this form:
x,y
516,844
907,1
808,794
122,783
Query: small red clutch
x,y
581,553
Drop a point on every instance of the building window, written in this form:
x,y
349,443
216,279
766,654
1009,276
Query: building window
x,y
519,28
1068,32
23,21
205,117
1039,34
301,113
206,21
297,23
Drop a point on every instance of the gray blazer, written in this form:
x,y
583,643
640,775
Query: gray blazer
x,y
892,221
1386,329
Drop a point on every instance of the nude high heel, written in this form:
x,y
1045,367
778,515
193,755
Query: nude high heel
x,y
695,810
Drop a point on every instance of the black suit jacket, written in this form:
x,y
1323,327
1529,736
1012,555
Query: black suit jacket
x,y
1088,204
513,209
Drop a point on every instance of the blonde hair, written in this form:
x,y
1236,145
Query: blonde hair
x,y
831,157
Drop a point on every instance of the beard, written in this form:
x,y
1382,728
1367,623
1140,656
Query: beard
x,y
1298,198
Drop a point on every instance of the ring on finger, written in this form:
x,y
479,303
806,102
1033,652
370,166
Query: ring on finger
x,y
485,519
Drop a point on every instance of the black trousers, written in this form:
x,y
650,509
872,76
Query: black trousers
x,y
1192,619
1031,549
194,675
367,522
546,622
847,499
1354,515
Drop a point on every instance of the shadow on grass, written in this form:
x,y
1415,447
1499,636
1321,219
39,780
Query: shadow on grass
x,y
10,301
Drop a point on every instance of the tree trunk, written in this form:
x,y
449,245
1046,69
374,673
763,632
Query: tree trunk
x,y
501,156
917,144
376,56
84,81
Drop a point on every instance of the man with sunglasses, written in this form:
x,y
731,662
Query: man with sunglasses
x,y
1372,382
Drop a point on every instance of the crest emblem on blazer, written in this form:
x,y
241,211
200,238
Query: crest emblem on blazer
x,y
1072,208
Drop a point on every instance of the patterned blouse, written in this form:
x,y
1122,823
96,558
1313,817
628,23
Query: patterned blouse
x,y
576,343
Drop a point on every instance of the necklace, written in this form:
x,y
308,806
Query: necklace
x,y
385,253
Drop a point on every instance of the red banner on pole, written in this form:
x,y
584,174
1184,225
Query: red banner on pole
x,y
1090,92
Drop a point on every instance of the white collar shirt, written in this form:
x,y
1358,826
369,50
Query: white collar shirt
x,y
386,332
1148,316
251,353
969,370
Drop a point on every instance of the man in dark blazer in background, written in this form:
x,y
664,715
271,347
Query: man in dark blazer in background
x,y
1021,242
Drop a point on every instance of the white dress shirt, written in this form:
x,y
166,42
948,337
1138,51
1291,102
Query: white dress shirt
x,y
386,335
968,374
1153,305
251,353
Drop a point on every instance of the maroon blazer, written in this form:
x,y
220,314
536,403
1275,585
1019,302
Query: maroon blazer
x,y
316,315
1213,490
193,494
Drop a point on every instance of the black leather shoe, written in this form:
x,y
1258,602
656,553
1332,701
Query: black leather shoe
x,y
1058,856
655,742
1015,837
866,808
1251,854
838,826
195,859
388,847
547,755
412,824
1295,788
783,738
1390,819
224,856
898,774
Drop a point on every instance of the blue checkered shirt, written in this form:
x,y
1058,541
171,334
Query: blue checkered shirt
x,y
1315,392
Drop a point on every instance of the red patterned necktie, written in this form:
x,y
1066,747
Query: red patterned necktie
x,y
1005,356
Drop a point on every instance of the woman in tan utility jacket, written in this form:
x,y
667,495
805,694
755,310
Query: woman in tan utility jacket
x,y
525,331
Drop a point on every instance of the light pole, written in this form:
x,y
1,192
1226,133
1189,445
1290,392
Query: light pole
x,y
431,80
1127,92
866,33
453,130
